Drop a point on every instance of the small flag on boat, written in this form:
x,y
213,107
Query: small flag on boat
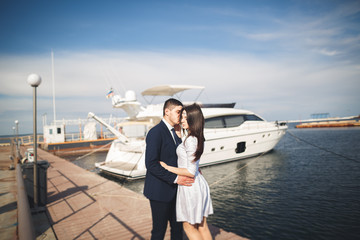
x,y
110,94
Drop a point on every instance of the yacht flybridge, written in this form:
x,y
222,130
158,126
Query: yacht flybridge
x,y
231,134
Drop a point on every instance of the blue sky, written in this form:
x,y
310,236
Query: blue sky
x,y
281,59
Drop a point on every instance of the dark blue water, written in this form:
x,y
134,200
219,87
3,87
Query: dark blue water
x,y
307,188
296,192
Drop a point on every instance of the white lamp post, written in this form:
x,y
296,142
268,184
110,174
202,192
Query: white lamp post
x,y
12,152
13,128
17,139
34,80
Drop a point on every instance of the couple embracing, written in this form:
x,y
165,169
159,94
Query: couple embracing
x,y
177,191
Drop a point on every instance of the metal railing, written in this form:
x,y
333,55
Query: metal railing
x,y
29,139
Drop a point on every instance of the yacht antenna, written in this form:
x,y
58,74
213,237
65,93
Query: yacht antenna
x,y
53,80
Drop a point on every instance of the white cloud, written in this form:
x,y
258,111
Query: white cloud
x,y
278,89
327,52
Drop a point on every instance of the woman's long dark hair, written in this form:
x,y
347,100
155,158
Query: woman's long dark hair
x,y
196,122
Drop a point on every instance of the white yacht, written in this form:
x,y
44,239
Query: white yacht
x,y
231,134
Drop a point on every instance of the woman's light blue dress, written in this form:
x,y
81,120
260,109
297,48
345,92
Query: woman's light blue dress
x,y
192,203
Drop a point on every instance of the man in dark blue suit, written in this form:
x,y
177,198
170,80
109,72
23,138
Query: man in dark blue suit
x,y
161,185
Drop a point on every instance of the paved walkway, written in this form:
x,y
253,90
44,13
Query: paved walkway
x,y
84,205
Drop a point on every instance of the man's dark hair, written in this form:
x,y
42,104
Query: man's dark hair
x,y
170,104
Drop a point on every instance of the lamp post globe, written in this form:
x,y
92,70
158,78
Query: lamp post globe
x,y
34,80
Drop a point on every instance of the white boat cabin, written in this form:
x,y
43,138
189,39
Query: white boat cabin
x,y
54,133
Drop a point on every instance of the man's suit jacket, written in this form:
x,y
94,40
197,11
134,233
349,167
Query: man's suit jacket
x,y
160,146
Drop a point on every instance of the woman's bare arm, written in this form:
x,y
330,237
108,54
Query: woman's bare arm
x,y
178,171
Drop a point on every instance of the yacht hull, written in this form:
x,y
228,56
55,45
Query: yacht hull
x,y
221,145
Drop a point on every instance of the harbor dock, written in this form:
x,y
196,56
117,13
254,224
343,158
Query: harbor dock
x,y
327,124
82,205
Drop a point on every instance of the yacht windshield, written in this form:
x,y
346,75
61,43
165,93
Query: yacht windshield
x,y
230,120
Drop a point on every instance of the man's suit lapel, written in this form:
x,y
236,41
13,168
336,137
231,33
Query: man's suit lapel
x,y
168,133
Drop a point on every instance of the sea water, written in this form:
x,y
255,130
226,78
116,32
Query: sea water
x,y
308,187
